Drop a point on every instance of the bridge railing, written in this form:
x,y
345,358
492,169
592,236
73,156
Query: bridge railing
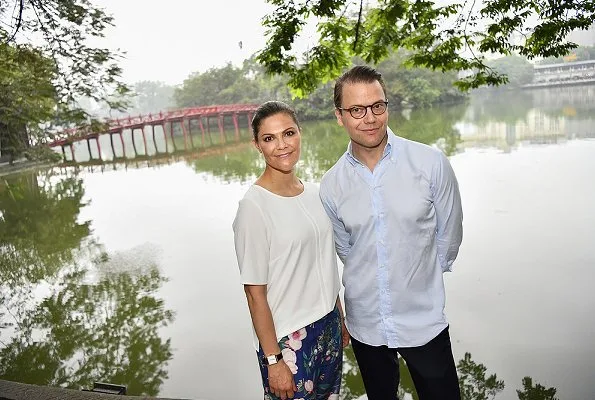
x,y
118,124
182,113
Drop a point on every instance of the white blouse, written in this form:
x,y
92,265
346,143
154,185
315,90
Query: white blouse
x,y
287,244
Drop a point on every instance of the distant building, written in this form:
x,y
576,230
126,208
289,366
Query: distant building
x,y
563,74
538,127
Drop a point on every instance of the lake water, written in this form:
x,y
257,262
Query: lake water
x,y
126,272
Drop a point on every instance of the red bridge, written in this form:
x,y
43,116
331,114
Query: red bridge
x,y
182,118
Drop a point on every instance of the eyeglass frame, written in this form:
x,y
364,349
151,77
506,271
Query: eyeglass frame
x,y
365,109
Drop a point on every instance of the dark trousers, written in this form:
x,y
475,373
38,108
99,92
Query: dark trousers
x,y
432,368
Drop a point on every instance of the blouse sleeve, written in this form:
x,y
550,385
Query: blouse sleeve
x,y
251,243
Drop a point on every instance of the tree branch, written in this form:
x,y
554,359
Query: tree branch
x,y
19,21
357,26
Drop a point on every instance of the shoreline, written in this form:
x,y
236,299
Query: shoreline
x,y
10,390
23,165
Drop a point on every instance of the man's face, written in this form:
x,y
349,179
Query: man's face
x,y
368,132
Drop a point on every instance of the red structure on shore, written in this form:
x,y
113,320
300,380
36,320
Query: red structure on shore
x,y
182,118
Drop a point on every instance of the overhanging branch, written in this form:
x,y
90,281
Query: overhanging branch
x,y
359,22
19,21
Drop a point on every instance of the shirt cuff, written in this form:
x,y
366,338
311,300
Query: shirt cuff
x,y
446,265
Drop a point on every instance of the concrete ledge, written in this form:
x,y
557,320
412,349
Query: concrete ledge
x,y
22,391
23,166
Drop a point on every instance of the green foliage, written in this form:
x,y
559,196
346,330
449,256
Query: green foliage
x,y
97,316
104,331
474,383
445,38
151,97
415,87
516,68
40,227
537,392
581,53
352,385
323,142
27,94
435,126
47,63
225,85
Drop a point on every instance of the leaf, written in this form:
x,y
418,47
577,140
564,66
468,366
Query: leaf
x,y
441,38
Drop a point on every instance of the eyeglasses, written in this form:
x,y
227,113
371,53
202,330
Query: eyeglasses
x,y
358,112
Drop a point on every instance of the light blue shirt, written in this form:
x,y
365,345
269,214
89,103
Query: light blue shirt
x,y
397,229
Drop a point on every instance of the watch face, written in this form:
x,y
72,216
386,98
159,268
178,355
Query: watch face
x,y
272,359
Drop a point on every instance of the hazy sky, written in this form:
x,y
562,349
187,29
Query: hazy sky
x,y
170,39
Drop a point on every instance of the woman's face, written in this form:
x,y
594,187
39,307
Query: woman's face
x,y
279,142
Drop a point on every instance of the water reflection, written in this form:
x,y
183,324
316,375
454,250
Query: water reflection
x,y
501,119
508,119
475,384
238,163
325,141
83,296
352,386
39,226
535,392
70,313
437,126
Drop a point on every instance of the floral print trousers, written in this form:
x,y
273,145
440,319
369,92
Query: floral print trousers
x,y
315,356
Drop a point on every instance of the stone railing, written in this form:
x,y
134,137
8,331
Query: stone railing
x,y
21,391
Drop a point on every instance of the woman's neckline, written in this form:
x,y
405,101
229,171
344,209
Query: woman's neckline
x,y
280,195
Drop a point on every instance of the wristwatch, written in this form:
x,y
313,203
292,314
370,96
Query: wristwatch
x,y
272,359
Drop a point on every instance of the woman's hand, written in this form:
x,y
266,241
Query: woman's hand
x,y
344,333
281,380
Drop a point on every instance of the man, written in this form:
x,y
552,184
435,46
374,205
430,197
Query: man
x,y
397,219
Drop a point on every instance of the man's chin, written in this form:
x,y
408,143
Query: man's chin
x,y
372,142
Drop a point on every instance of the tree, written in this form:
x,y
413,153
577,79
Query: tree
x,y
40,227
47,59
517,69
105,331
352,385
473,381
216,86
537,392
152,97
581,53
27,95
416,87
97,316
454,37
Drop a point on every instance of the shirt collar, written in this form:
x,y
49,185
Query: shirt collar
x,y
391,144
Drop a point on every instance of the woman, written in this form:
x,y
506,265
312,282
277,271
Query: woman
x,y
285,250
